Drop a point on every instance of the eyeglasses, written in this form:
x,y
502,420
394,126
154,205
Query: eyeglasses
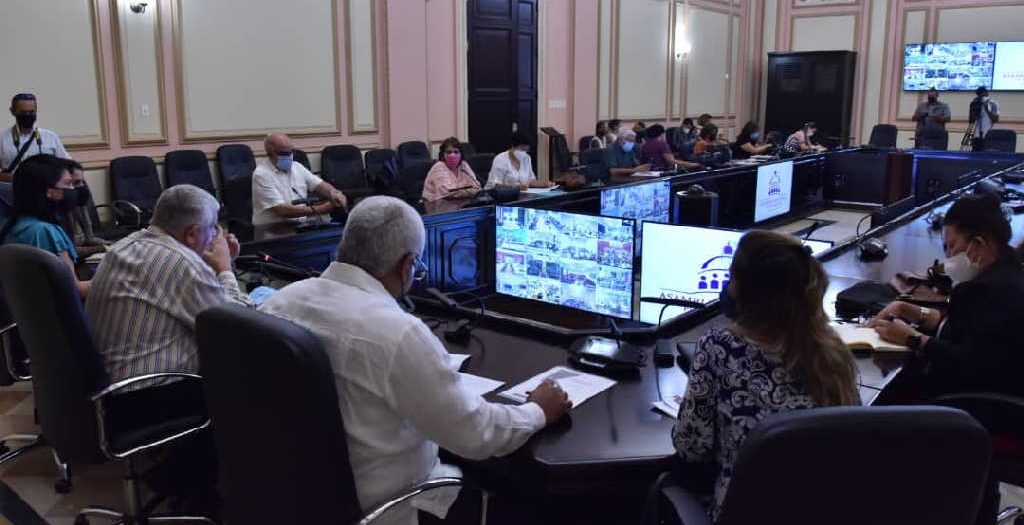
x,y
420,269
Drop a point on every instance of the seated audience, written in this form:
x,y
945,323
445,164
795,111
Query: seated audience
x,y
600,139
658,154
748,142
641,131
614,128
76,222
451,177
800,140
977,343
513,168
779,355
42,194
622,157
708,139
400,396
686,139
278,180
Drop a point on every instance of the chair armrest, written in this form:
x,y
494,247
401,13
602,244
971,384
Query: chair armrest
x,y
121,385
5,342
120,207
430,484
998,413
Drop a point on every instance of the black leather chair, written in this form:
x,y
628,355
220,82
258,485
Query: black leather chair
x,y
597,166
237,197
14,368
672,136
481,165
189,166
121,226
136,188
306,477
377,169
300,156
883,136
933,138
849,466
412,151
342,166
234,161
468,150
584,143
411,179
1003,416
72,393
1001,140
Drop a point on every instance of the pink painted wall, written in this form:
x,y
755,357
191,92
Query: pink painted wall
x,y
442,48
585,68
556,52
407,70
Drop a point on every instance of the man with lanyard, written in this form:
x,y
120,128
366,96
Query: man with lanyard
x,y
24,139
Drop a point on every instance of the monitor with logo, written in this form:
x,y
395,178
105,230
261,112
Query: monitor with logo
x,y
774,190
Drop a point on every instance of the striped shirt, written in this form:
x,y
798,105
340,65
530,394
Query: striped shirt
x,y
144,300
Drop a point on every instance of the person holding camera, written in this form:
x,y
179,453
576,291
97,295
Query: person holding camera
x,y
984,112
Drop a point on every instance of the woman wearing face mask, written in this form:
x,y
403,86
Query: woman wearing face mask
x,y
749,142
978,342
800,140
513,168
450,177
779,355
76,222
42,192
600,139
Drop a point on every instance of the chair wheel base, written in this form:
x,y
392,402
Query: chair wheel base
x,y
63,486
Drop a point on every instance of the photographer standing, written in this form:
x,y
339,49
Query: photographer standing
x,y
984,112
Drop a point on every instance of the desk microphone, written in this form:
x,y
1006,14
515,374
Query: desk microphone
x,y
464,328
308,201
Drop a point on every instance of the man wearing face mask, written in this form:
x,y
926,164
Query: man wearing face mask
x,y
977,344
24,139
983,113
76,221
279,180
400,396
931,113
623,157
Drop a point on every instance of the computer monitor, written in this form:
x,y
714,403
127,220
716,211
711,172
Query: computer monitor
x,y
569,259
683,262
774,190
817,247
649,201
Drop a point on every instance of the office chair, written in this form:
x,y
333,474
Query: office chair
x,y
411,179
481,165
120,227
136,188
1001,140
933,138
849,466
189,166
597,165
584,143
237,197
234,161
672,136
302,158
307,478
14,368
883,136
468,150
381,168
342,166
1003,416
412,151
71,390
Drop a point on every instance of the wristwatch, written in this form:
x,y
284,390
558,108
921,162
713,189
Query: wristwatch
x,y
925,312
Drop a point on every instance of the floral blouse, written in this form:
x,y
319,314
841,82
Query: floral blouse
x,y
733,386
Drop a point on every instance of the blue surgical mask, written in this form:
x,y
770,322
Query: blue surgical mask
x,y
755,135
726,303
284,163
628,146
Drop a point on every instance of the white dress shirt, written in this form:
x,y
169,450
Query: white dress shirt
x,y
48,142
504,174
398,394
272,187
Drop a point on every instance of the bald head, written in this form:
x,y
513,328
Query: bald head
x,y
276,145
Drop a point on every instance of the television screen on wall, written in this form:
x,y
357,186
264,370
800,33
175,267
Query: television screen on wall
x,y
963,66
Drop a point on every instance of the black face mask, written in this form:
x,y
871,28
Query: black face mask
x,y
69,201
932,100
26,121
83,195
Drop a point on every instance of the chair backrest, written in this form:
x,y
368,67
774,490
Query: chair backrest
x,y
560,151
302,158
596,161
134,179
411,179
1001,140
6,200
933,138
342,166
66,366
412,151
304,475
188,166
468,150
481,164
584,143
883,136
234,161
856,465
237,197
377,171
672,136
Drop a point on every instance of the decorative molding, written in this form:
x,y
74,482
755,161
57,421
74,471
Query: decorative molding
x,y
103,139
348,67
121,73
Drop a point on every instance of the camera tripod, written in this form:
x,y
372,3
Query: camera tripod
x,y
967,143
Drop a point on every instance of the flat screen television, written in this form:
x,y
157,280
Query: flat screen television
x,y
774,190
1008,71
649,201
568,259
948,66
683,262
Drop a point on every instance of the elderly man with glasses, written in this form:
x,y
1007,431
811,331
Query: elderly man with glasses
x,y
24,139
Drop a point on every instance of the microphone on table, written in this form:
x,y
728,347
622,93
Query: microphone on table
x,y
464,328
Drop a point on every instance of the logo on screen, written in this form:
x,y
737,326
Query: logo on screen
x,y
711,278
775,185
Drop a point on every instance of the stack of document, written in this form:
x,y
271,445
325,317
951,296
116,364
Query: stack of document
x,y
580,386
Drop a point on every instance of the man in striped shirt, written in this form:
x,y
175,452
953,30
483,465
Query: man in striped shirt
x,y
152,284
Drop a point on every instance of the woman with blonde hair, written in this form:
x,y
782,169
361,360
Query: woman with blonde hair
x,y
779,355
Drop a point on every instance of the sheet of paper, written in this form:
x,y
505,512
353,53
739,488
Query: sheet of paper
x,y
579,385
854,335
668,407
540,190
479,385
456,360
646,174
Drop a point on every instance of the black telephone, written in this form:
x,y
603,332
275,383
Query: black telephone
x,y
602,354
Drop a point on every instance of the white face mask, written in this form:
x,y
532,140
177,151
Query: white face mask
x,y
521,155
960,269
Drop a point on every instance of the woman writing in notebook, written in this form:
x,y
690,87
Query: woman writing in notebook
x,y
779,355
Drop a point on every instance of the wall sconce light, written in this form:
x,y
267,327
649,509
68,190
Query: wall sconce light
x,y
139,7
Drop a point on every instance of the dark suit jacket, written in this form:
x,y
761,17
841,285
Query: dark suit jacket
x,y
981,344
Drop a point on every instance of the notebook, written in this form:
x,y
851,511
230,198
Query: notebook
x,y
863,339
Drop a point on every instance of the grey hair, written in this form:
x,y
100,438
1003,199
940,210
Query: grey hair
x,y
379,232
626,134
182,206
